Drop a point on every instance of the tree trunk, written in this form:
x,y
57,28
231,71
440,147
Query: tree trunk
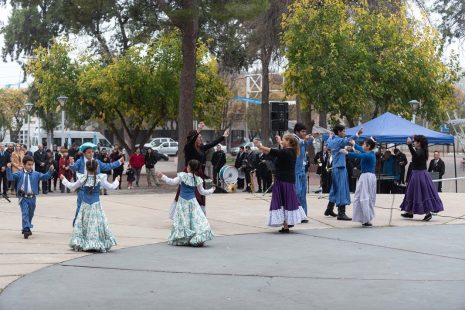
x,y
306,115
297,108
323,119
265,108
189,32
351,121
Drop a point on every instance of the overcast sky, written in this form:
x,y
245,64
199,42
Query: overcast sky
x,y
10,72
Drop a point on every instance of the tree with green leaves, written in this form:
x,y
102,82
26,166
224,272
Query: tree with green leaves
x,y
264,44
191,17
358,63
12,112
131,94
112,25
55,74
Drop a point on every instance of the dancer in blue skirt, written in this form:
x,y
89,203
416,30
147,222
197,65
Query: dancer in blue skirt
x,y
339,194
421,196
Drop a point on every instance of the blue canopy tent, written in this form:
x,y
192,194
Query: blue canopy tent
x,y
390,128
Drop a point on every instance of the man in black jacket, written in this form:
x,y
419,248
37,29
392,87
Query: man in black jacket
x,y
5,158
40,160
437,165
218,161
238,164
151,159
321,160
401,163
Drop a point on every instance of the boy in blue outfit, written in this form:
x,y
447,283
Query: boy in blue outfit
x,y
88,149
27,188
304,140
339,194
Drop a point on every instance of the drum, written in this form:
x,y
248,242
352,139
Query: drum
x,y
228,174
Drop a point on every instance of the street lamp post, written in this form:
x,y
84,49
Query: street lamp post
x,y
28,109
62,100
415,104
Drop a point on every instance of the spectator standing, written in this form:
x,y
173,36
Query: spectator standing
x,y
264,172
116,156
10,148
209,164
40,161
238,164
218,161
51,162
150,162
26,151
137,161
247,168
104,157
322,160
130,172
5,158
64,169
16,163
401,163
437,165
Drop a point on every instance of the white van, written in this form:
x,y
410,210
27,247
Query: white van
x,y
71,137
156,142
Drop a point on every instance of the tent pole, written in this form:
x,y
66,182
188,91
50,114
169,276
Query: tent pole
x,y
455,166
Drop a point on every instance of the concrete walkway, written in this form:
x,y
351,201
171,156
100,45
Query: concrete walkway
x,y
378,268
140,219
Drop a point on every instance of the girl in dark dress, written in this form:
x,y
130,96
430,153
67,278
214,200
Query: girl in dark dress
x,y
285,208
195,149
421,196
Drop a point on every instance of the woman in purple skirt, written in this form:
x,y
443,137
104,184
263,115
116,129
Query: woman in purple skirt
x,y
285,209
421,196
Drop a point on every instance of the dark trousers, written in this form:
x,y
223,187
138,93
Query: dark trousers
x,y
4,182
240,183
215,176
440,185
247,178
402,175
49,184
326,182
44,183
265,182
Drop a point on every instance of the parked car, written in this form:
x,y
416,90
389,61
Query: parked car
x,y
235,150
168,148
156,142
159,155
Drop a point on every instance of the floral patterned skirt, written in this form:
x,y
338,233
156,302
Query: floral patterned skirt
x,y
91,231
190,226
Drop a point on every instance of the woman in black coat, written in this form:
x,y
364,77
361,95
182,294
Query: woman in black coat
x,y
195,149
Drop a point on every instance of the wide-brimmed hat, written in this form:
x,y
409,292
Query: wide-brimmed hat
x,y
86,146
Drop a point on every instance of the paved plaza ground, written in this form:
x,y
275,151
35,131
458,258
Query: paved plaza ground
x,y
325,264
419,257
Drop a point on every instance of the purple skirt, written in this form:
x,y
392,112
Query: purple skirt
x,y
421,196
285,206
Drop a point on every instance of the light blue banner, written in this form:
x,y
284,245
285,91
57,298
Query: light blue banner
x,y
254,101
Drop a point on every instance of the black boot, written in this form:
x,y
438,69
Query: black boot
x,y
341,216
330,210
